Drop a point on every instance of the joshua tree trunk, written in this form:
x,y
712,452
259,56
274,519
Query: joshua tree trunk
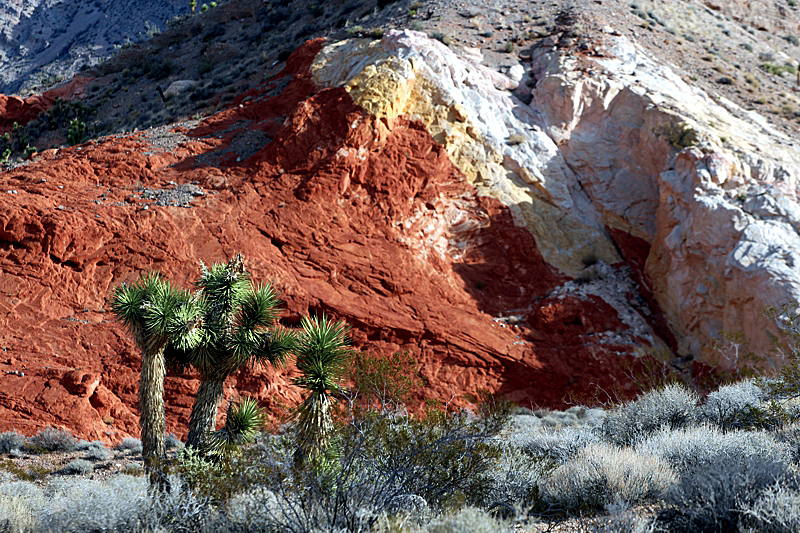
x,y
151,418
314,425
204,411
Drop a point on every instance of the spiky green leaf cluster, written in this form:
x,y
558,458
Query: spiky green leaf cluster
x,y
322,354
237,318
224,287
245,419
156,312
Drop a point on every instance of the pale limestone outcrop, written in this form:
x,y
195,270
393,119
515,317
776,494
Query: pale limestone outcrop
x,y
599,148
721,217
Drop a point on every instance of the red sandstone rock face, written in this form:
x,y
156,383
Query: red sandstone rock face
x,y
23,110
342,214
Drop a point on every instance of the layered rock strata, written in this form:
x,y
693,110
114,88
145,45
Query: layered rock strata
x,y
522,248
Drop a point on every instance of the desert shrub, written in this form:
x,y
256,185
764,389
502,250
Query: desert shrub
x,y
212,480
514,479
775,510
83,445
206,66
98,454
668,407
246,512
120,504
20,502
790,437
588,416
601,474
520,424
558,419
467,520
53,440
379,461
692,448
777,70
11,440
444,38
710,497
733,406
79,466
383,382
556,445
679,136
157,69
130,444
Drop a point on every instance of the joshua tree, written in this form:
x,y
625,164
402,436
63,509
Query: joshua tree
x,y
237,329
155,313
193,5
322,356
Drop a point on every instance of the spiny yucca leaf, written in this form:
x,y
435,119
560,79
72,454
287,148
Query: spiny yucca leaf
x,y
208,353
153,310
128,300
260,308
322,353
241,345
244,420
127,305
185,325
274,346
160,305
225,286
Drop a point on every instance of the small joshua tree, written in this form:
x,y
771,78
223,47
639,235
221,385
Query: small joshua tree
x,y
244,420
322,357
156,313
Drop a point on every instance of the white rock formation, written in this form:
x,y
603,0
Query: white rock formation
x,y
722,221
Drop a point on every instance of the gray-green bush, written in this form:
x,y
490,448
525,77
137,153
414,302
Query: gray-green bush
x,y
691,448
130,444
11,440
602,474
734,406
710,497
467,520
79,466
98,454
20,503
557,445
53,440
775,510
120,504
514,480
670,407
83,445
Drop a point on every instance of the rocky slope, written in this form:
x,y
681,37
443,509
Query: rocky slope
x,y
45,40
524,228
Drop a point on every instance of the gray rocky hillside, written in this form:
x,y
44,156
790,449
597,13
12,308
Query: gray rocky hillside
x,y
42,41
